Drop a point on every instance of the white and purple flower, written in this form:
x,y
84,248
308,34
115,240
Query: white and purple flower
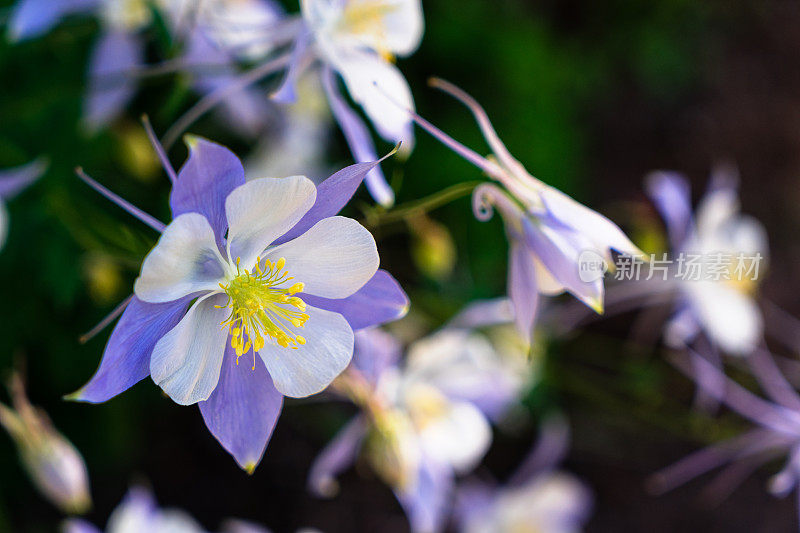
x,y
724,309
547,230
262,269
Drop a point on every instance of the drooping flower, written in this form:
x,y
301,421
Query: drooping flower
x,y
262,270
719,237
415,435
12,182
55,466
547,230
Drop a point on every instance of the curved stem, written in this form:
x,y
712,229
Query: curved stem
x,y
423,205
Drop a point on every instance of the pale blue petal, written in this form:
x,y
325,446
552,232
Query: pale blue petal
x,y
359,140
32,18
375,352
126,359
336,457
522,288
244,408
205,181
110,90
427,503
672,196
75,525
286,93
379,301
15,180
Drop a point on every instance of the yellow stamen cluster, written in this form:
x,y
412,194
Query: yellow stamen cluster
x,y
263,306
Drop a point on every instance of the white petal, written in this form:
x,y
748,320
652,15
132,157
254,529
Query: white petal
x,y
380,88
186,361
311,367
184,261
334,258
718,208
601,231
731,318
460,438
262,210
403,26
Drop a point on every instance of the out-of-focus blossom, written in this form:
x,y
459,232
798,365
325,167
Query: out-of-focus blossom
x,y
417,430
12,182
548,231
139,512
775,415
725,308
537,497
433,248
298,142
55,466
260,268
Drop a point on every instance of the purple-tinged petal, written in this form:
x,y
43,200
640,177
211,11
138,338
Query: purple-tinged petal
x,y
427,502
126,359
379,301
332,195
137,512
235,525
204,183
110,89
559,249
522,288
336,457
375,351
74,525
484,313
15,180
358,139
473,502
243,409
672,196
32,18
286,93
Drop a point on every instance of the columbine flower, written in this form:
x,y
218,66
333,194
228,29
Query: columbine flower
x,y
12,182
55,466
725,309
261,270
414,434
547,230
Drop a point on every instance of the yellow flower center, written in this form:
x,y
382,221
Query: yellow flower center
x,y
365,17
263,306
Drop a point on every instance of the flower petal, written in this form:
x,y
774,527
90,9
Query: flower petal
x,y
15,180
126,358
184,261
311,367
243,409
3,224
32,18
731,318
186,361
593,226
459,438
375,351
109,89
75,525
559,248
379,301
337,456
205,181
380,88
358,139
523,288
672,196
262,210
334,259
426,502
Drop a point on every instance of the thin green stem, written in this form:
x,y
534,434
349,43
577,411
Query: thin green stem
x,y
375,218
